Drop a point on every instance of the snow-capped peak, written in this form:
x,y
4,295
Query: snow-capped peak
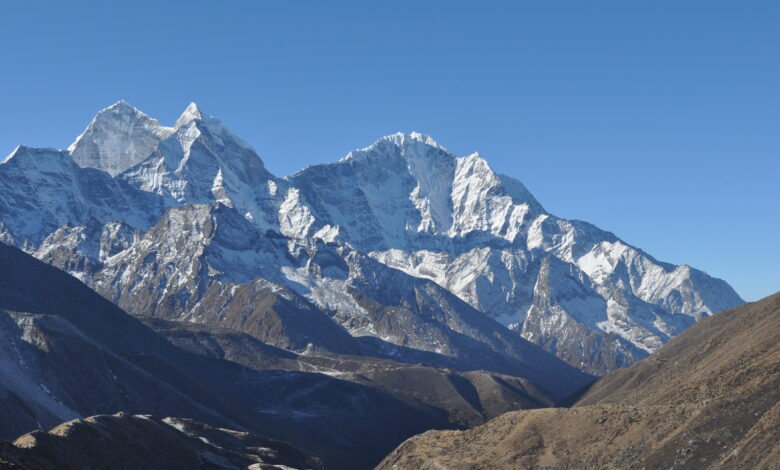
x,y
123,105
399,139
13,153
119,109
191,113
119,137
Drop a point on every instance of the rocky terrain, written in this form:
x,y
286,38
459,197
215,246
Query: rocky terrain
x,y
67,353
128,442
468,398
710,399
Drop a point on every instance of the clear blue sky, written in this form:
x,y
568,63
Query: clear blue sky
x,y
657,120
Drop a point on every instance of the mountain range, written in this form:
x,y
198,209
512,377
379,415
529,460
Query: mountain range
x,y
172,221
165,273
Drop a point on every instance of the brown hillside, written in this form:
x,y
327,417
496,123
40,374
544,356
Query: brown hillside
x,y
710,399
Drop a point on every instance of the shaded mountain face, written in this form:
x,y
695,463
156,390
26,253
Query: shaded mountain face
x,y
123,441
710,399
123,210
467,398
67,352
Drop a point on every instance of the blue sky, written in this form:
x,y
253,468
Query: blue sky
x,y
659,121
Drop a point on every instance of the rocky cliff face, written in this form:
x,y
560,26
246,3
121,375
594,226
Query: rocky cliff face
x,y
399,241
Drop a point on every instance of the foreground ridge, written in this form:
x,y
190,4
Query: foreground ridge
x,y
131,442
708,400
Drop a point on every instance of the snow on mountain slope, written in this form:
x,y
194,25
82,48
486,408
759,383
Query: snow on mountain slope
x,y
207,264
198,160
405,191
404,201
483,236
44,189
203,162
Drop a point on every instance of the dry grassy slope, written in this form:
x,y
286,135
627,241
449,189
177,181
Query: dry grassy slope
x,y
734,352
708,400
